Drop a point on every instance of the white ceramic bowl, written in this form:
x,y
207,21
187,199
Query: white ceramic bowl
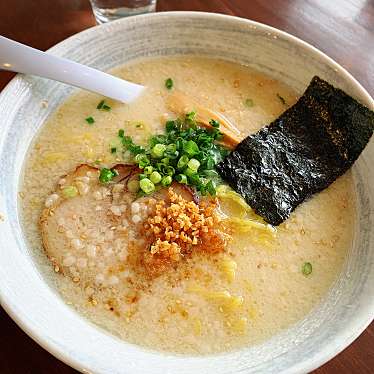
x,y
35,306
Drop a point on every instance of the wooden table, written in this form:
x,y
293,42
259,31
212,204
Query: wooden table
x,y
343,29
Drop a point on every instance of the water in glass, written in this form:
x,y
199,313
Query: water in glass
x,y
110,10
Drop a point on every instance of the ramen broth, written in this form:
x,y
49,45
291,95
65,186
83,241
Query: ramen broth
x,y
209,302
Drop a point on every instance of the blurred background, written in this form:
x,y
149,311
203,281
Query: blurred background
x,y
344,29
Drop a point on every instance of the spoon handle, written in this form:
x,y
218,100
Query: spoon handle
x,y
20,58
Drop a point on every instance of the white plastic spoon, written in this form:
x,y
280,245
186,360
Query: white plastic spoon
x,y
20,58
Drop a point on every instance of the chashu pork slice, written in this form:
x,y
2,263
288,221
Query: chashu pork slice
x,y
85,227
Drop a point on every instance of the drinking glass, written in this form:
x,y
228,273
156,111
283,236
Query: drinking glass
x,y
110,10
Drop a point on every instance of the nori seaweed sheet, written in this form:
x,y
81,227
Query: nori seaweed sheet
x,y
302,152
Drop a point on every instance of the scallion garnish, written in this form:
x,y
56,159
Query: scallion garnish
x,y
146,185
113,150
148,170
103,106
155,177
169,83
106,175
181,178
186,153
214,123
90,120
249,103
182,162
307,268
158,150
193,164
191,148
100,105
166,181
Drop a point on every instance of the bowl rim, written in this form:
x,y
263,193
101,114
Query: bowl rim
x,y
343,338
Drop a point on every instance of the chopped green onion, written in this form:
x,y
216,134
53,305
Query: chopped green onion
x,y
146,185
191,148
166,181
189,172
181,178
103,106
156,139
170,126
171,155
155,177
106,175
190,118
193,164
129,145
169,170
90,120
142,160
307,268
211,188
209,164
100,105
249,103
113,150
70,191
185,147
214,123
179,144
281,98
169,83
171,148
158,150
194,179
182,162
210,174
148,170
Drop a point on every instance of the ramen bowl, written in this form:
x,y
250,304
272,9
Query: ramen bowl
x,y
31,300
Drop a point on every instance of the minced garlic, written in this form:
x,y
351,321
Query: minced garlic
x,y
179,225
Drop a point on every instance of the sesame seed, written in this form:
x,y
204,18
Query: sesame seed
x,y
50,200
69,261
91,250
136,218
99,279
113,280
115,210
77,244
97,195
82,263
135,207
